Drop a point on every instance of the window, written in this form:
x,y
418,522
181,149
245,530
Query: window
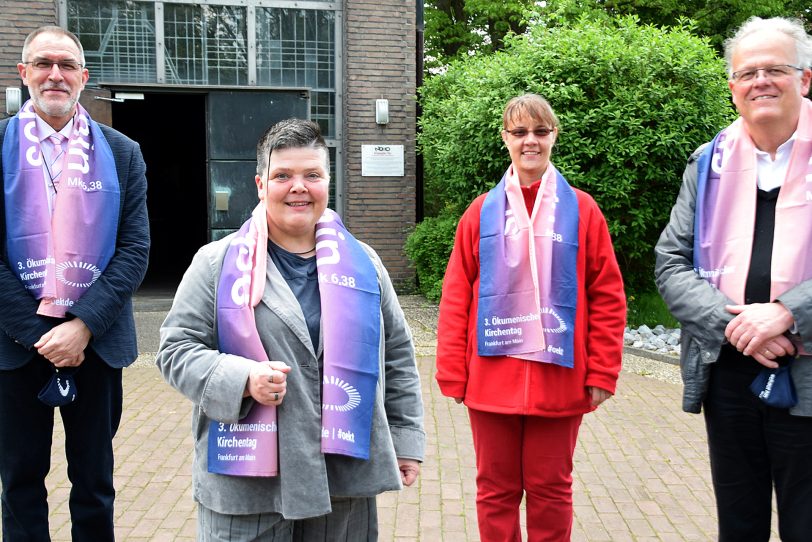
x,y
205,45
118,39
296,48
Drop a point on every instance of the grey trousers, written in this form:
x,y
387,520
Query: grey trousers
x,y
352,520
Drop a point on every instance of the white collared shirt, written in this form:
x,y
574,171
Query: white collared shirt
x,y
771,173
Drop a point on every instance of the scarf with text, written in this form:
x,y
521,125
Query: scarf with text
x,y
528,285
58,256
350,314
726,209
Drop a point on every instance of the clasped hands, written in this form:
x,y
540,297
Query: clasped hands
x,y
268,382
64,345
758,330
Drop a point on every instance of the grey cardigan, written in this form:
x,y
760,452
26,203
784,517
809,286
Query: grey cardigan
x,y
700,308
190,361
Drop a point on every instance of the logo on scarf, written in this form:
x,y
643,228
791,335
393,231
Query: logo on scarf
x,y
334,257
32,151
720,155
353,397
62,267
241,288
562,326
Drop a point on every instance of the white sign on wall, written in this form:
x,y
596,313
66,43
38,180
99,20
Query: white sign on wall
x,y
382,160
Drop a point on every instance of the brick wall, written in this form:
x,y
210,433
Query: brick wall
x,y
18,18
379,62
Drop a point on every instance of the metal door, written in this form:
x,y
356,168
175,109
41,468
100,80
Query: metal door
x,y
235,121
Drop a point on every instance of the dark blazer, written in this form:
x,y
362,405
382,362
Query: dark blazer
x,y
106,307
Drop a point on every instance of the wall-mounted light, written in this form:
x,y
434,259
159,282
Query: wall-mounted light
x,y
14,98
382,111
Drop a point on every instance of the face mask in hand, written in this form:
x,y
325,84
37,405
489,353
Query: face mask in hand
x,y
60,389
775,387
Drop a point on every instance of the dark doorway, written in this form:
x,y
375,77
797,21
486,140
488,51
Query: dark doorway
x,y
171,129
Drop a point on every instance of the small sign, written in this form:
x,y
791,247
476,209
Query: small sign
x,y
382,160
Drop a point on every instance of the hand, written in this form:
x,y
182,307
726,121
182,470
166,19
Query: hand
x,y
775,348
598,395
64,345
267,382
409,470
458,400
755,324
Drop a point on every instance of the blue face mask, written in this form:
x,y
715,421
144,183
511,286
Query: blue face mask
x,y
775,387
60,389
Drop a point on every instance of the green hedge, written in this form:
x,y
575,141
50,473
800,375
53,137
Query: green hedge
x,y
428,247
634,101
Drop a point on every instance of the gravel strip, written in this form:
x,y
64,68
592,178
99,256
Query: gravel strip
x,y
643,365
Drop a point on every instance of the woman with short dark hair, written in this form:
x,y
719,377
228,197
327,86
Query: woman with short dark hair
x,y
288,338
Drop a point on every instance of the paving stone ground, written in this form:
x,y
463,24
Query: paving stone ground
x,y
641,470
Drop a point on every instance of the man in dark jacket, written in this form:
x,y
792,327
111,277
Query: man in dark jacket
x,y
75,242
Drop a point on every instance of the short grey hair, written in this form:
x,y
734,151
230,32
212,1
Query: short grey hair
x,y
52,30
290,134
791,27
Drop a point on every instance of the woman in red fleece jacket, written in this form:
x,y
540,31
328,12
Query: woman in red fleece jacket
x,y
530,333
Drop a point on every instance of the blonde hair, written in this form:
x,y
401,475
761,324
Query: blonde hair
x,y
529,105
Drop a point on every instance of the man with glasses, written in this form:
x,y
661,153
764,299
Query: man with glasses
x,y
734,266
75,241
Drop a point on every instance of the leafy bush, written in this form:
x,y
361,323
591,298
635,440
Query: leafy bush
x,y
634,101
429,248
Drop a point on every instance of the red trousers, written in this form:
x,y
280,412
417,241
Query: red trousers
x,y
524,454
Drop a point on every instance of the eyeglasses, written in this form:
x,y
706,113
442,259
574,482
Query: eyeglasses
x,y
778,71
44,65
522,132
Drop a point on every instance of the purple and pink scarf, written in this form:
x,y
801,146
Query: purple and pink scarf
x,y
350,314
59,256
528,283
726,210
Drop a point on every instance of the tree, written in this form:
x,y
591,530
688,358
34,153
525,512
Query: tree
x,y
716,19
456,28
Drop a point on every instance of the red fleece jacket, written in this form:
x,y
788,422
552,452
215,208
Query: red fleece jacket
x,y
509,385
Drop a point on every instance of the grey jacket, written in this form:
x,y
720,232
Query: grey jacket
x,y
700,308
189,360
